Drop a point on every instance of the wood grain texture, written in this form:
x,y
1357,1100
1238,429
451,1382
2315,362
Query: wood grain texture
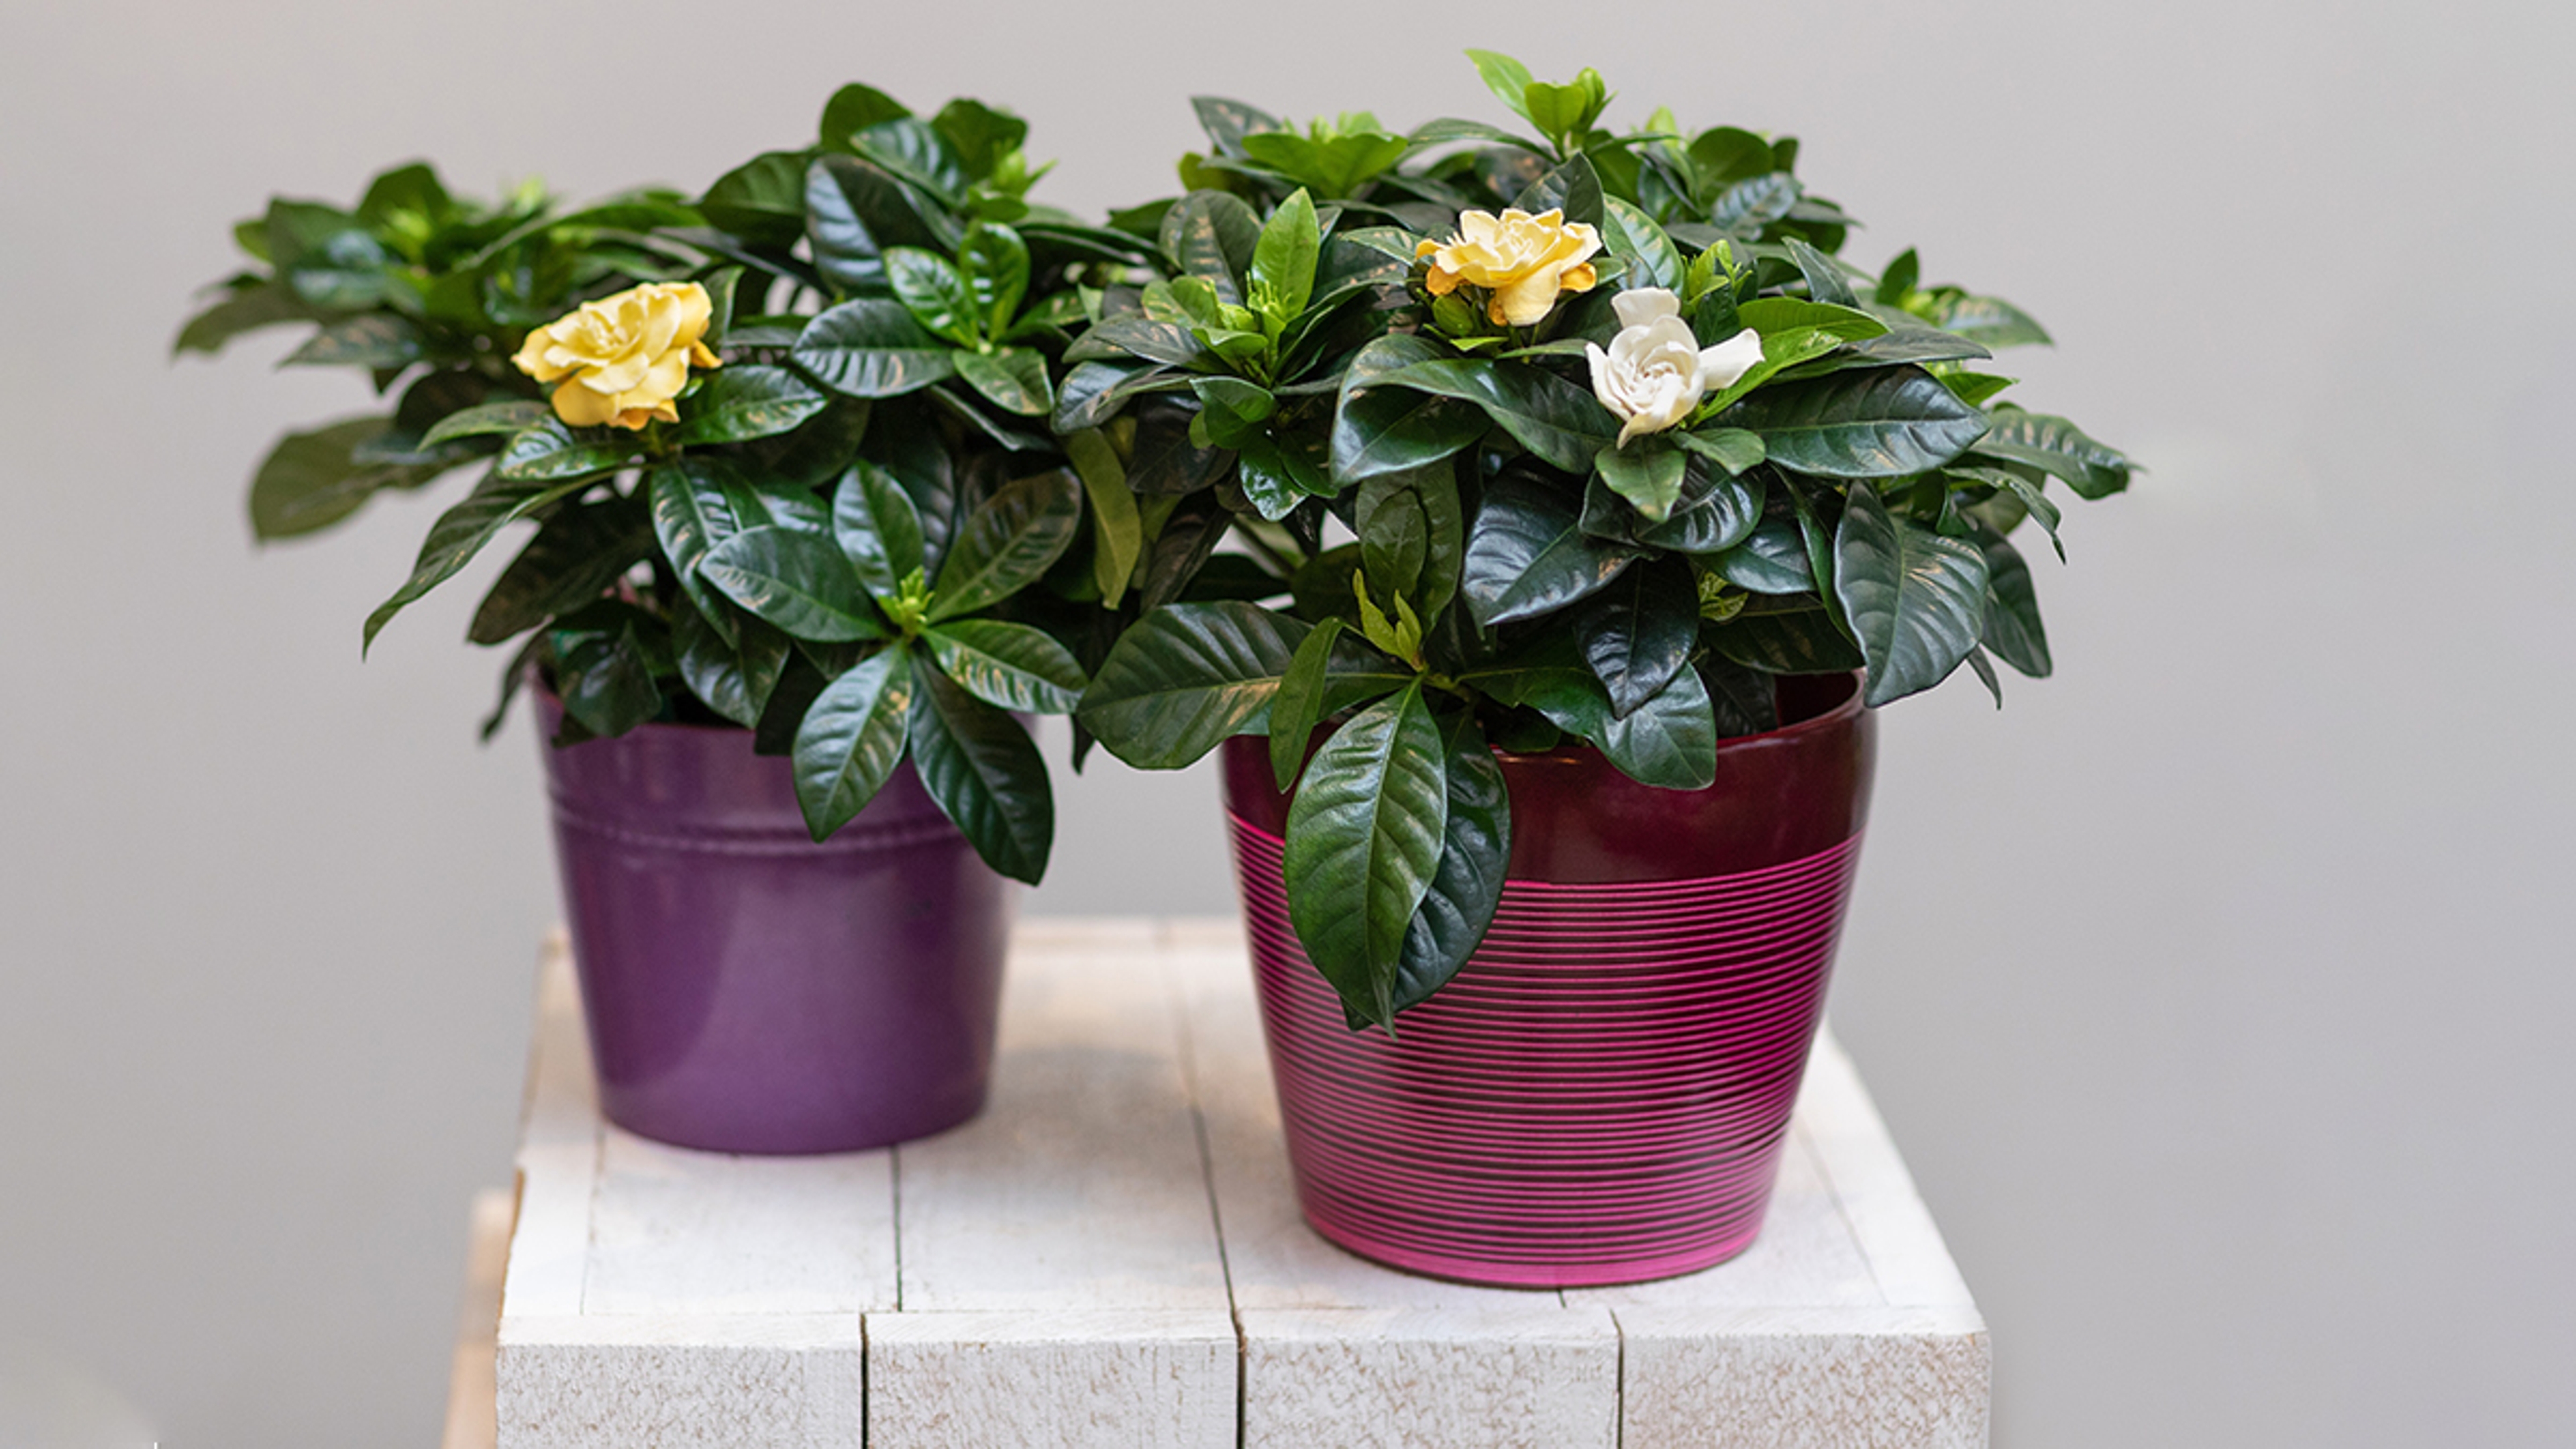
x,y
680,1232
558,1151
1532,1376
736,1381
1805,1378
1907,1258
1106,1379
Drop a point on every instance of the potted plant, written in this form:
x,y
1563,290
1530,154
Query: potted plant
x,y
1546,784
805,556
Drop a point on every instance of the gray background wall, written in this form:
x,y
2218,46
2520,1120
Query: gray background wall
x,y
2218,990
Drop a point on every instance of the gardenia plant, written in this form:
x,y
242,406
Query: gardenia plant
x,y
1616,438
783,445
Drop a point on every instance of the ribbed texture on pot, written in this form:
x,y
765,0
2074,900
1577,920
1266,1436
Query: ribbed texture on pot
x,y
1600,1096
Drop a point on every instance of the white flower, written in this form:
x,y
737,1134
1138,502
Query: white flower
x,y
1655,371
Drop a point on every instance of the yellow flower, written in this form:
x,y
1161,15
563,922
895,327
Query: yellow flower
x,y
1523,260
623,358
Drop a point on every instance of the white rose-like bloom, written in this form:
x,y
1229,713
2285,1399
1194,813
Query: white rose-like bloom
x,y
1655,371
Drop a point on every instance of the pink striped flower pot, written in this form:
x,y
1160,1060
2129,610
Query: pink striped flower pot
x,y
1602,1093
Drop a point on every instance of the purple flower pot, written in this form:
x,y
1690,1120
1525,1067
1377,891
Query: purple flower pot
x,y
749,990
1602,1093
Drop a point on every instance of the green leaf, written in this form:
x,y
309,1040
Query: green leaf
x,y
743,402
1011,665
1364,840
1715,514
1574,188
605,680
1095,392
761,201
311,480
577,554
982,769
878,527
1771,560
1227,122
1990,320
1119,530
489,418
1475,849
247,310
1880,423
1391,429
370,339
1633,236
1975,389
1133,334
1649,477
935,292
1551,417
1507,78
798,581
547,451
1744,208
1803,641
1527,554
872,348
1638,633
733,679
1007,543
856,209
1283,261
1724,155
1669,741
852,738
1413,533
980,135
1824,277
1298,707
1733,449
855,107
1013,379
1186,676
1916,600
2055,446
1769,315
1899,278
1212,235
460,533
996,263
2013,631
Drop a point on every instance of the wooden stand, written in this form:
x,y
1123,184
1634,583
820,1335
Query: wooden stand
x,y
1112,1256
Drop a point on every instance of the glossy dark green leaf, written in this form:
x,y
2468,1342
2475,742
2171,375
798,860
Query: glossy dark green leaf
x,y
1467,886
1185,676
1298,707
872,348
1772,559
799,581
1507,78
1227,122
916,154
1389,429
1638,633
935,292
1164,460
1133,334
1802,641
1670,740
1878,423
1990,320
1527,553
1772,315
1745,700
487,419
1825,279
1648,473
761,201
1095,392
1916,600
2055,446
878,527
605,680
2013,631
996,263
1716,513
1010,665
732,677
1904,342
1005,544
979,134
1732,449
311,480
577,554
852,737
249,309
1747,206
986,774
1364,840
1413,533
460,533
1573,187
1211,235
1282,275
744,402
370,339
854,210
1551,417
855,107
1899,278
1631,235
1724,155
1013,379
550,452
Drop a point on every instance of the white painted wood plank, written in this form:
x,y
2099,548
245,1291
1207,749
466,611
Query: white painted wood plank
x,y
733,1381
558,1150
1275,1259
469,1375
1806,1256
675,1231
1805,1378
1531,1376
1888,1219
1110,1379
1081,1187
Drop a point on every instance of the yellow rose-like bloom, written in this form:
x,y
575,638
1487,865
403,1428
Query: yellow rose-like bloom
x,y
623,358
1523,260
